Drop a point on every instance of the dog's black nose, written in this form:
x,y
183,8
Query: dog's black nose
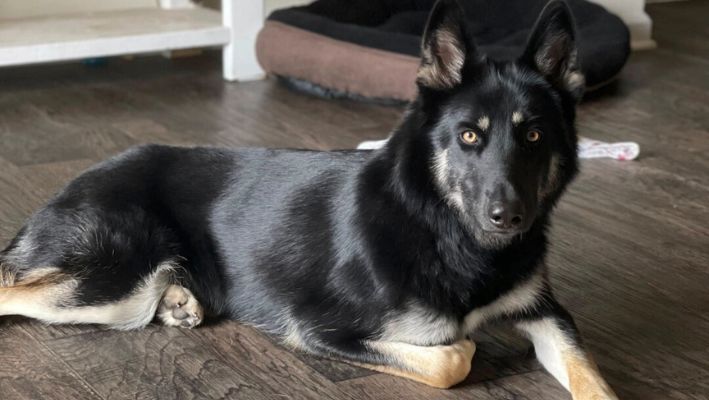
x,y
507,216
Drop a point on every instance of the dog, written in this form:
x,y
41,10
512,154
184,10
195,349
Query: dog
x,y
386,259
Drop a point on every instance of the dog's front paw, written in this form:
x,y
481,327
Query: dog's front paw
x,y
449,365
179,307
592,389
597,395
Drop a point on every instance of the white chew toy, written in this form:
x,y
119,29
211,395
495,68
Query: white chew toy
x,y
623,151
587,148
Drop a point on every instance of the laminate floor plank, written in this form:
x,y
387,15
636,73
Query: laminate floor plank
x,y
165,363
29,371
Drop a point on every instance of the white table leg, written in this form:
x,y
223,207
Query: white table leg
x,y
176,4
244,18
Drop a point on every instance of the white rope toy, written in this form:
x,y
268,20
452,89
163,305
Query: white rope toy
x,y
587,148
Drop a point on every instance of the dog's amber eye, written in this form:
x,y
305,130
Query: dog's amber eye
x,y
469,137
533,136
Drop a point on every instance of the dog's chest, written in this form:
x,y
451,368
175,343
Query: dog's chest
x,y
421,325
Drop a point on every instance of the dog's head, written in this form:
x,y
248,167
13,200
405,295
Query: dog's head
x,y
501,136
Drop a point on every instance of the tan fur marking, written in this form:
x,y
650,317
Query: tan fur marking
x,y
36,289
35,279
585,381
440,169
452,193
520,298
421,326
455,197
293,338
437,366
552,181
483,123
7,277
50,296
574,80
517,118
443,69
567,361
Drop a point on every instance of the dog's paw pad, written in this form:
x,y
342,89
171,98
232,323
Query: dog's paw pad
x,y
179,307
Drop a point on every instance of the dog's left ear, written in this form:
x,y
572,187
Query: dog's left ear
x,y
551,49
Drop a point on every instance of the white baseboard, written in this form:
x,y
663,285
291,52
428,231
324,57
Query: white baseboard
x,y
632,12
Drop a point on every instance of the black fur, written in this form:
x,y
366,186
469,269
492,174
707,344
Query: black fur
x,y
335,241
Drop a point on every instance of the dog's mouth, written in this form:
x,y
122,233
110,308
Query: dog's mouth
x,y
490,236
495,240
500,237
493,237
502,233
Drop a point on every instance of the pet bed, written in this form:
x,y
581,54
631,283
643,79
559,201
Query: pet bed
x,y
369,49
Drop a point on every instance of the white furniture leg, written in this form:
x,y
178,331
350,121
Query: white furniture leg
x,y
244,18
175,4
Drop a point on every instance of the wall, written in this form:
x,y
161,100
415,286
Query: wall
x,y
33,8
633,13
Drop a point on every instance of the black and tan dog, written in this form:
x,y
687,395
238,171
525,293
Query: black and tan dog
x,y
387,259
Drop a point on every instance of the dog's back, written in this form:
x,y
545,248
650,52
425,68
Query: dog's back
x,y
155,207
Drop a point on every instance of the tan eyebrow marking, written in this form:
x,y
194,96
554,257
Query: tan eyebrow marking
x,y
483,123
517,117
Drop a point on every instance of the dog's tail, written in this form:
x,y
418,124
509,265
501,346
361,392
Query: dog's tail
x,y
7,282
7,273
20,290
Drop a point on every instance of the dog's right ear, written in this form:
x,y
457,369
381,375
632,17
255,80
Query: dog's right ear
x,y
446,47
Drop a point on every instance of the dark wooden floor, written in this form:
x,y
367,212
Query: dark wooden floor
x,y
630,254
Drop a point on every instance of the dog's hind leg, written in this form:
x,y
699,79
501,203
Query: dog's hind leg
x,y
118,269
50,295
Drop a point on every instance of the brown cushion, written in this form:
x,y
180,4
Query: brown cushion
x,y
342,66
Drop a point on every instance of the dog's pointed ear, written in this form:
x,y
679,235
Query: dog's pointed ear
x,y
551,49
445,48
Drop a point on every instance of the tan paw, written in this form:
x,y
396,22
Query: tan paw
x,y
601,394
179,307
585,381
450,365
